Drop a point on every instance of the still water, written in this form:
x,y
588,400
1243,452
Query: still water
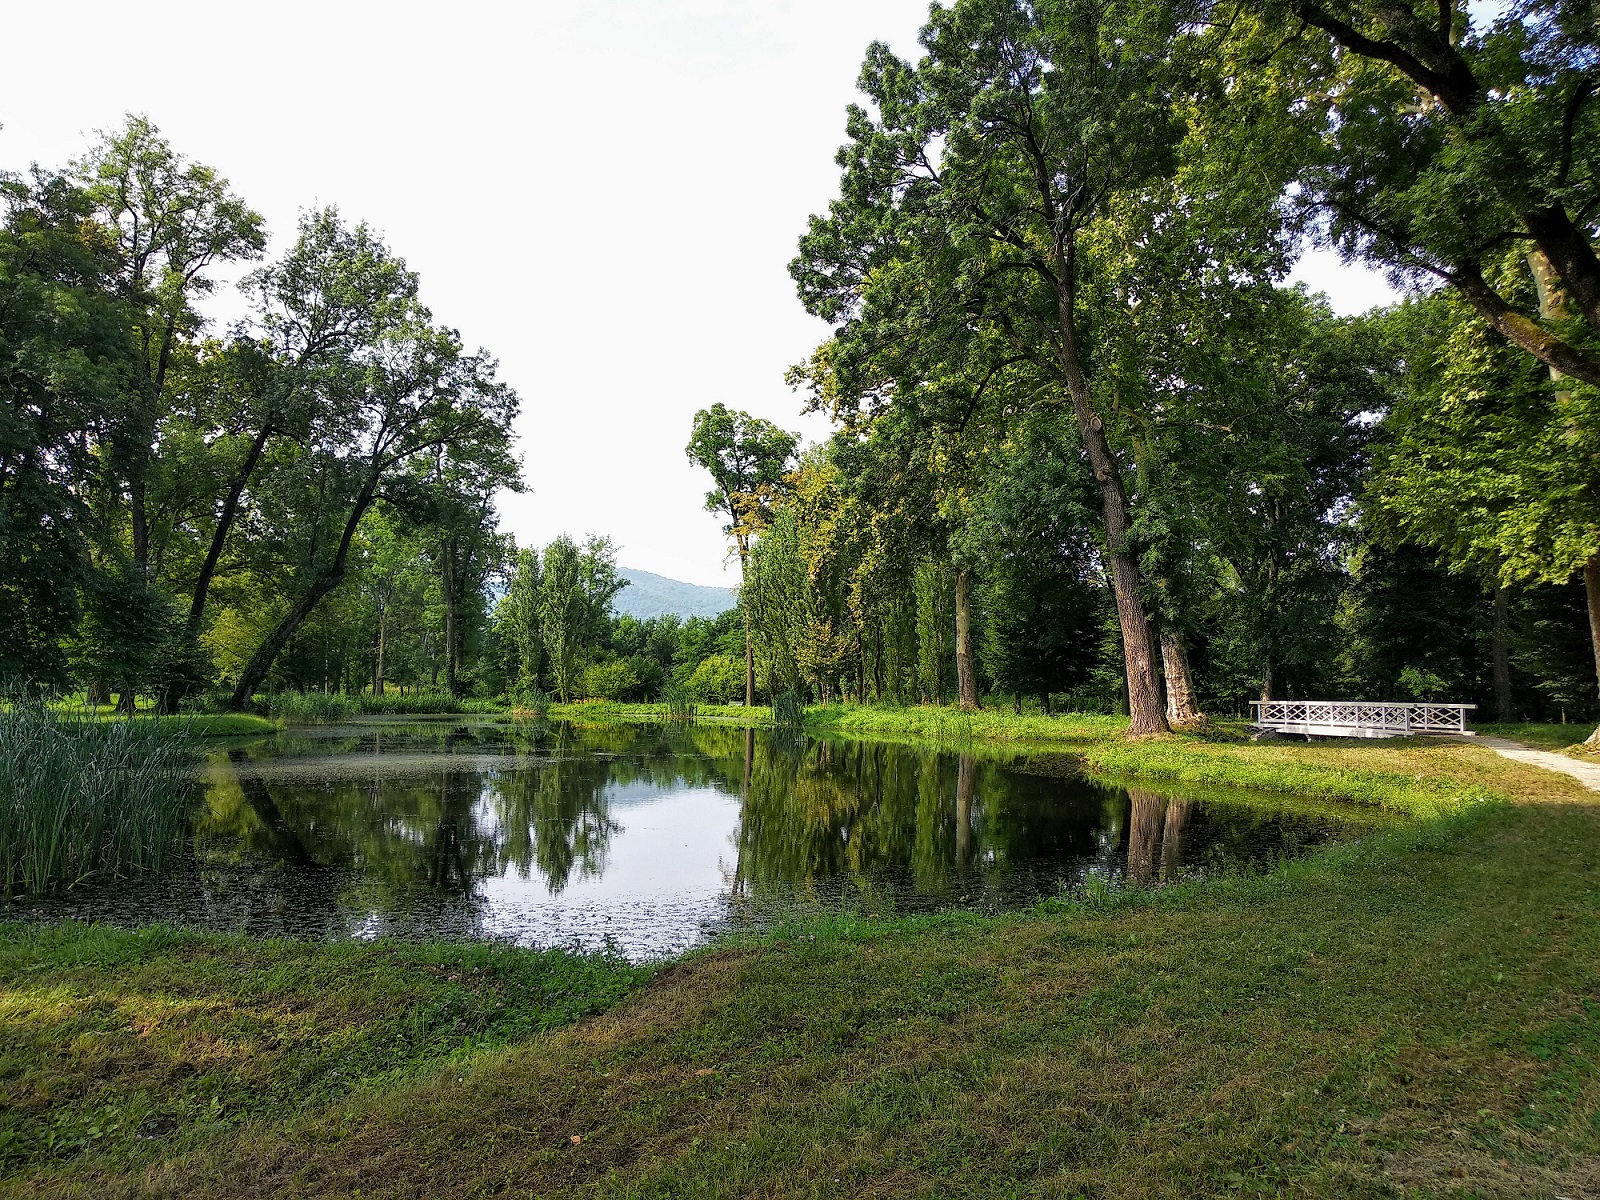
x,y
654,838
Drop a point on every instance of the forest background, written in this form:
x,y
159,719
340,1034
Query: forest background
x,y
1090,452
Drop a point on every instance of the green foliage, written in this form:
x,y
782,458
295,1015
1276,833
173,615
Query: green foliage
x,y
613,680
717,680
80,796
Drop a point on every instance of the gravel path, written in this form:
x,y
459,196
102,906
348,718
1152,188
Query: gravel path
x,y
1586,773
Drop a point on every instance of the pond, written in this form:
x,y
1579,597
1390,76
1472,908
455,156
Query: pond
x,y
654,838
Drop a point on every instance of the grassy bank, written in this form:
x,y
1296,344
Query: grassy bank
x,y
117,1040
1414,1014
1551,736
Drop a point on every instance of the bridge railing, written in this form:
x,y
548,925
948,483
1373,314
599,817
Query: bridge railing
x,y
1395,720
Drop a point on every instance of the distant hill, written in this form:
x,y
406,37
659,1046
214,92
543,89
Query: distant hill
x,y
650,595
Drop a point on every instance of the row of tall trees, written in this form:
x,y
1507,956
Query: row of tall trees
x,y
181,509
1086,435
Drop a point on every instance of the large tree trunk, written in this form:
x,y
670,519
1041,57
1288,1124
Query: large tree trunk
x,y
966,669
1501,655
219,536
448,562
267,653
1145,715
1268,685
1591,587
383,650
1183,710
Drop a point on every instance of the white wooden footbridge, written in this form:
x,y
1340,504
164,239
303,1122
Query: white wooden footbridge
x,y
1360,718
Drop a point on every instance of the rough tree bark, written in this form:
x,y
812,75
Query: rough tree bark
x,y
1501,654
966,668
1145,715
1183,710
1591,588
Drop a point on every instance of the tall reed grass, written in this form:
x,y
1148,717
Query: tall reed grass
x,y
79,796
311,708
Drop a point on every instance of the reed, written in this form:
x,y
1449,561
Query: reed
x,y
80,797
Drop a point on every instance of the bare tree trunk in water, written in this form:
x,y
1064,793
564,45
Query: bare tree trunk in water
x,y
966,671
966,786
1183,711
1591,588
1144,829
1172,839
1501,654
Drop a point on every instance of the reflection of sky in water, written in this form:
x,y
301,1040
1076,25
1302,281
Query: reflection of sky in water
x,y
653,838
661,883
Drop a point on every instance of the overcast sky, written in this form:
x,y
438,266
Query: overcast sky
x,y
605,194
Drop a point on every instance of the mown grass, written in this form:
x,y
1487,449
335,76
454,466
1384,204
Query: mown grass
x,y
194,724
117,1043
1418,1013
1549,736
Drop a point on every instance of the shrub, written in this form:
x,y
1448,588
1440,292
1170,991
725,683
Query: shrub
x,y
717,680
80,795
614,680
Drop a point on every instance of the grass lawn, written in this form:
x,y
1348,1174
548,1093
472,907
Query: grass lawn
x,y
1415,1014
1541,737
199,724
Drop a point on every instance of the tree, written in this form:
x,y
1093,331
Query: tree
x,y
748,459
336,290
387,405
66,360
577,587
973,193
172,221
1488,461
1448,135
519,616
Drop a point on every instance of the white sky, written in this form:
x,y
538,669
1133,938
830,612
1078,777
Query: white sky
x,y
606,194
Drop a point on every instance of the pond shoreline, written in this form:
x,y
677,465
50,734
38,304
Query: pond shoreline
x,y
438,1055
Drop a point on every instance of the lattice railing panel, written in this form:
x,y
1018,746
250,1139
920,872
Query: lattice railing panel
x,y
1364,715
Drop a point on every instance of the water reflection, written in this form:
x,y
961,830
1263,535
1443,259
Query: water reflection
x,y
654,837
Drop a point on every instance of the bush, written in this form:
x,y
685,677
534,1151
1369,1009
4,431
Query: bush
x,y
614,680
80,796
717,680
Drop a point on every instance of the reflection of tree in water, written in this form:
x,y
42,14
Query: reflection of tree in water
x,y
821,812
835,812
555,813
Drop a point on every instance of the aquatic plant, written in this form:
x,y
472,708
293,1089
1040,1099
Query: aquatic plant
x,y
80,796
309,708
788,710
680,706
